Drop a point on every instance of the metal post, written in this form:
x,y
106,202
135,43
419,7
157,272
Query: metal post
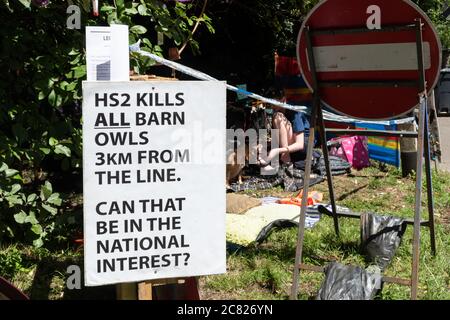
x,y
420,150
418,204
429,185
421,68
321,124
323,139
301,226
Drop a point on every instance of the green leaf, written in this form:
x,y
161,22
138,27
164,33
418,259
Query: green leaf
x,y
50,209
38,243
119,4
42,95
52,141
55,199
73,52
77,72
76,60
46,190
48,187
20,217
137,29
131,11
52,98
31,198
14,200
31,218
37,228
142,9
112,18
106,8
10,172
55,99
3,167
25,3
60,149
147,42
15,188
68,86
10,232
45,151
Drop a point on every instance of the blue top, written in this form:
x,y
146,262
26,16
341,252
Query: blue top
x,y
299,122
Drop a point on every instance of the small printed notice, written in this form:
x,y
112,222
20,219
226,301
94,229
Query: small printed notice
x,y
107,53
153,177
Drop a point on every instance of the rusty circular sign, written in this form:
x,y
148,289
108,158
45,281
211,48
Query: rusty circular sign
x,y
389,54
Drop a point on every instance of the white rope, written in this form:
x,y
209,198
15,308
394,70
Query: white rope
x,y
203,76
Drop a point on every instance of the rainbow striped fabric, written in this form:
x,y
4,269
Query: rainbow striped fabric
x,y
384,149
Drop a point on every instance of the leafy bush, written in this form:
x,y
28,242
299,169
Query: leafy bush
x,y
11,262
42,63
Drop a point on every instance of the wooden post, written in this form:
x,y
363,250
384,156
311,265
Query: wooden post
x,y
145,290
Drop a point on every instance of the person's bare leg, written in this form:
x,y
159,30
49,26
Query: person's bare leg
x,y
285,133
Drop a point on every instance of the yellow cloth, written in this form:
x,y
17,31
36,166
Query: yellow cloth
x,y
244,229
240,203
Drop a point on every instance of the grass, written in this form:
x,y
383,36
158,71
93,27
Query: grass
x,y
268,269
265,271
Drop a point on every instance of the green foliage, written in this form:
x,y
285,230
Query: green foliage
x,y
42,63
174,21
434,9
26,216
284,17
11,262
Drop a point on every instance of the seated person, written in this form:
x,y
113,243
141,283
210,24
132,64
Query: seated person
x,y
293,133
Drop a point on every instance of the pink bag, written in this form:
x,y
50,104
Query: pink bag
x,y
353,149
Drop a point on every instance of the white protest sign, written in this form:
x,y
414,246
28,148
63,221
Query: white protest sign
x,y
154,174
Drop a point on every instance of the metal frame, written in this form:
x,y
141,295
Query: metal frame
x,y
317,121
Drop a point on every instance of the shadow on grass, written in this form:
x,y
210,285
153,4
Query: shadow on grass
x,y
284,252
49,282
316,257
346,195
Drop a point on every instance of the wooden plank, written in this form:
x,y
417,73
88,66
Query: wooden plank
x,y
145,290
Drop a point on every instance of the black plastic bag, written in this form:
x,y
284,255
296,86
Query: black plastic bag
x,y
274,225
380,237
348,283
312,217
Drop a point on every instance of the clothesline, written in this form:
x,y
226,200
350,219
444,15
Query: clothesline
x,y
203,76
